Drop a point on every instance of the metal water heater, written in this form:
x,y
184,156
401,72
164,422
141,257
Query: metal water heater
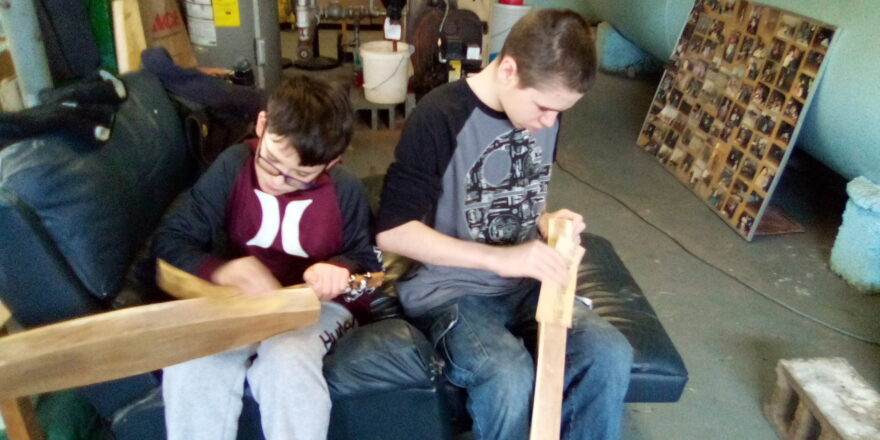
x,y
232,33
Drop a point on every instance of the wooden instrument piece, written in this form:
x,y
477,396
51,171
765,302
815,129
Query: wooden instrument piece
x,y
209,319
4,315
183,285
554,315
19,416
135,340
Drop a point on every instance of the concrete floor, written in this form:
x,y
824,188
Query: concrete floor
x,y
718,296
714,292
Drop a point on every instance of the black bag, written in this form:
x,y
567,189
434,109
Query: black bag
x,y
209,131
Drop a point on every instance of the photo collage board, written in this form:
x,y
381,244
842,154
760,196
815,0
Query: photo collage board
x,y
728,109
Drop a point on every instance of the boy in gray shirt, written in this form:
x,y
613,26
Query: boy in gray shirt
x,y
466,197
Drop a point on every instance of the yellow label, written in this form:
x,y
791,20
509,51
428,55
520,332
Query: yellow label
x,y
226,13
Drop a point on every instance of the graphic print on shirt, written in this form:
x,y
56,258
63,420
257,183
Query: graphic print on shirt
x,y
506,189
272,223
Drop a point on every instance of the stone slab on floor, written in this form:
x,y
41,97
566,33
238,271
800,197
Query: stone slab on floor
x,y
825,399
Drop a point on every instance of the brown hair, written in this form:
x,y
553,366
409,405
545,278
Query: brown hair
x,y
314,115
552,45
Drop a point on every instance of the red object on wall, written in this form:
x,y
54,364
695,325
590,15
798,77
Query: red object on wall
x,y
511,2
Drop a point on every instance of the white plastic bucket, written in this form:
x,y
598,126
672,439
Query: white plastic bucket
x,y
385,71
502,19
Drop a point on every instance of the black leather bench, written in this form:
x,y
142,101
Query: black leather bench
x,y
388,370
74,218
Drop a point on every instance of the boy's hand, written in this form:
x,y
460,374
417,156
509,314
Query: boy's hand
x,y
576,219
327,280
247,274
533,259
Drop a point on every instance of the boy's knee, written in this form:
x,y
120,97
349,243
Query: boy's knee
x,y
619,355
606,353
293,347
617,345
511,370
504,384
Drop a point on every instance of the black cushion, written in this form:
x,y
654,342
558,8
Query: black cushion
x,y
658,372
385,381
98,203
383,356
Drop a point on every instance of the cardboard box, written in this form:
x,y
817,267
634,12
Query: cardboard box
x,y
164,26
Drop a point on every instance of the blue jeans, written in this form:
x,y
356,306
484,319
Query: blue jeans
x,y
489,343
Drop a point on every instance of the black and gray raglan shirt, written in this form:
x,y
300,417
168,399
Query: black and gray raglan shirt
x,y
465,170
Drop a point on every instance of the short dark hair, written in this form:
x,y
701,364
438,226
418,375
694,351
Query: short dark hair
x,y
552,45
314,115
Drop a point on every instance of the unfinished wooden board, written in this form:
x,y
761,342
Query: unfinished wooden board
x,y
554,316
4,315
549,381
183,285
135,340
20,419
128,34
731,103
555,302
18,413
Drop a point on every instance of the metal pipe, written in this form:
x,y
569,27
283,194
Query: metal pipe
x,y
303,19
25,40
259,49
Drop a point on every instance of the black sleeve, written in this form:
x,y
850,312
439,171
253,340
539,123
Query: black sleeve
x,y
359,253
190,236
415,179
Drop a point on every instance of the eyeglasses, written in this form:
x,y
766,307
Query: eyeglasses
x,y
273,171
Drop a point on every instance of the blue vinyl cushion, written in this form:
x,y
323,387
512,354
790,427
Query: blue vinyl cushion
x,y
98,203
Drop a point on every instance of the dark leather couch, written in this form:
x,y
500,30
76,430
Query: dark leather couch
x,y
75,220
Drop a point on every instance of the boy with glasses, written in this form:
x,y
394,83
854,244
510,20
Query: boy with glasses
x,y
271,213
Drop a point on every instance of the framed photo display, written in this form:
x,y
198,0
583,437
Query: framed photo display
x,y
729,106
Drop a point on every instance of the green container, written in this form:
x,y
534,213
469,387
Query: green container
x,y
67,416
102,27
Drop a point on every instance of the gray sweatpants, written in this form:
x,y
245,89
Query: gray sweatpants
x,y
203,397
